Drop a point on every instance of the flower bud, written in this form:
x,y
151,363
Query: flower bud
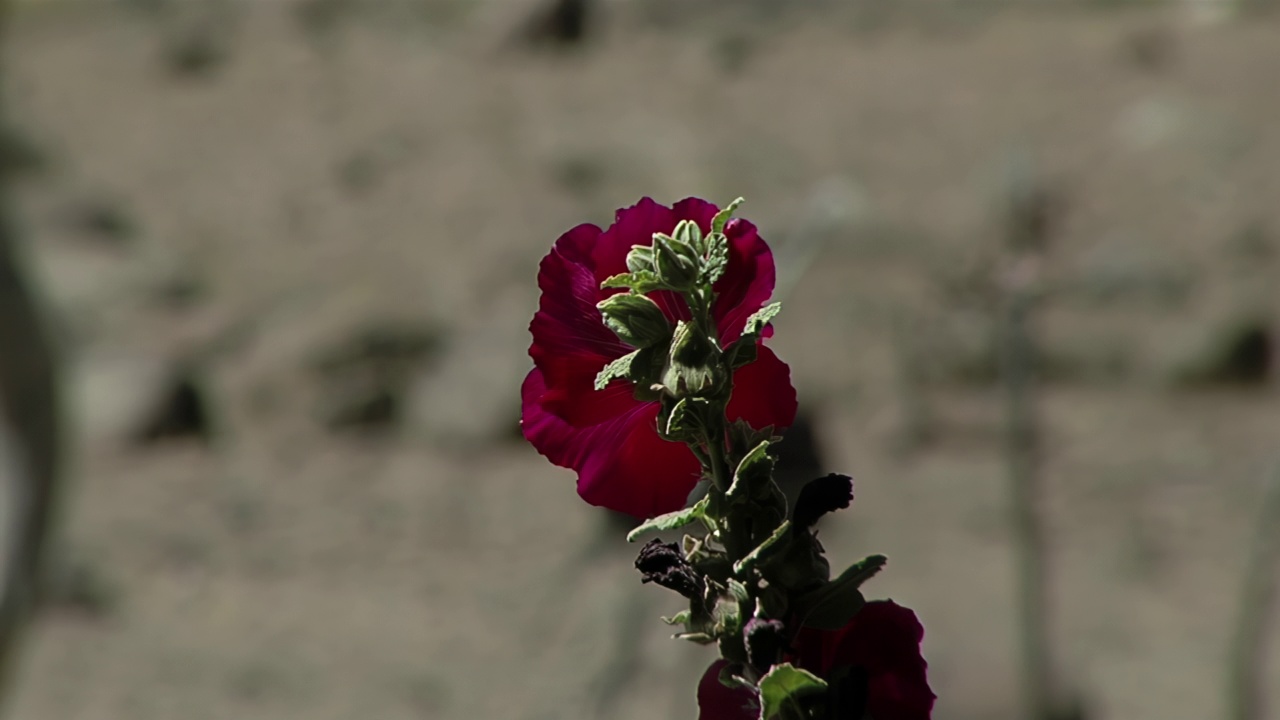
x,y
640,259
635,319
693,364
676,263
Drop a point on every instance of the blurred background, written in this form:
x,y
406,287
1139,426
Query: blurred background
x,y
287,252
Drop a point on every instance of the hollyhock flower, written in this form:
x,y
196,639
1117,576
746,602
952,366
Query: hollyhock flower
x,y
879,646
609,437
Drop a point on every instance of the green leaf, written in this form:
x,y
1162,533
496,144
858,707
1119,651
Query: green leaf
x,y
755,467
760,318
760,550
671,520
717,258
782,685
684,421
831,606
722,218
679,618
642,281
617,369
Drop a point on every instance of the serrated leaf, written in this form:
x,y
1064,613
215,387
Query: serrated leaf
x,y
679,618
683,421
641,282
755,466
617,369
760,318
671,520
762,549
722,218
783,684
831,606
717,258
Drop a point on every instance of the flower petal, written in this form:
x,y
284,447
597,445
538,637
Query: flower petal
x,y
621,462
762,392
884,640
567,324
717,702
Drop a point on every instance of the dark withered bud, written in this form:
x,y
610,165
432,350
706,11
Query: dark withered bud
x,y
821,496
766,640
662,563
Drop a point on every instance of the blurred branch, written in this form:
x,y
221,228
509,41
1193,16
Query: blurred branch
x,y
1028,230
1248,652
29,409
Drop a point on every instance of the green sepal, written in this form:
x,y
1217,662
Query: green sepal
x,y
722,218
762,549
671,520
676,261
635,319
680,618
833,605
784,684
696,637
693,366
726,616
689,235
753,472
640,259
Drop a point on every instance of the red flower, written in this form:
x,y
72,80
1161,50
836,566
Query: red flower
x,y
882,642
608,436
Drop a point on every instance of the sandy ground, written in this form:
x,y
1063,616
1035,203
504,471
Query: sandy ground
x,y
294,186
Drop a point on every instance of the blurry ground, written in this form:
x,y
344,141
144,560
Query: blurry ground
x,y
323,225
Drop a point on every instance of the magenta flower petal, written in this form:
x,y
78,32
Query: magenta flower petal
x,y
609,437
748,280
622,464
883,639
762,392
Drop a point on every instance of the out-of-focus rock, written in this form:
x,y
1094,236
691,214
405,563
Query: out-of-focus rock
x,y
366,378
181,411
1238,350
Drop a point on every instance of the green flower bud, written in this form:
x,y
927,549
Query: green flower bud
x,y
635,319
694,365
677,263
689,234
640,259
